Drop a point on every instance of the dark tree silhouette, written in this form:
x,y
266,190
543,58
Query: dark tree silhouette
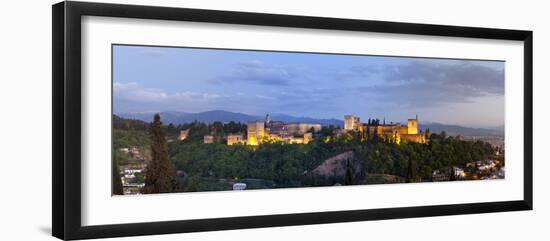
x,y
428,134
411,170
368,132
375,137
348,179
117,183
159,174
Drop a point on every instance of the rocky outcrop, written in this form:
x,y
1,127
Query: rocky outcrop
x,y
336,168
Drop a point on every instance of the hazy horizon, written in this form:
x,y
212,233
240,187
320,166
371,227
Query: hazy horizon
x,y
262,116
321,86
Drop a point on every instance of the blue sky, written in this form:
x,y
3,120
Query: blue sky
x,y
153,79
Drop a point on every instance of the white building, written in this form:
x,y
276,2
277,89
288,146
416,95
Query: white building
x,y
458,172
351,122
239,186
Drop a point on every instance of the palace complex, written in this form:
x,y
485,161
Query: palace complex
x,y
393,131
269,130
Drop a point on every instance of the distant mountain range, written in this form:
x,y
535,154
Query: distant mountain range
x,y
461,130
227,116
223,116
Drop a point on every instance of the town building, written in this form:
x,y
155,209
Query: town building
x,y
459,172
183,134
269,130
233,139
255,132
351,122
208,139
301,128
239,186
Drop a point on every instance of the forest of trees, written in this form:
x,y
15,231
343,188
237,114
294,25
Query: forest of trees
x,y
290,165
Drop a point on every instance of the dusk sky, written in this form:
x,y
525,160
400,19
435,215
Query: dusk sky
x,y
463,92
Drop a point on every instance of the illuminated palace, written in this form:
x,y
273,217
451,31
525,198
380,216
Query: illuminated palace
x,y
392,131
270,130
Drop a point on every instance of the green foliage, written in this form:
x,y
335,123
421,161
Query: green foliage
x,y
139,139
127,124
140,177
274,164
130,138
199,129
287,165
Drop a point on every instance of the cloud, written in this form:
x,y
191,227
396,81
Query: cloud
x,y
426,83
257,72
137,93
134,97
394,88
461,76
417,95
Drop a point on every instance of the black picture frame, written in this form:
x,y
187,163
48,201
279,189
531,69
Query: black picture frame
x,y
66,75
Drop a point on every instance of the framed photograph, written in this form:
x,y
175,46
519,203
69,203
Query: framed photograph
x,y
169,120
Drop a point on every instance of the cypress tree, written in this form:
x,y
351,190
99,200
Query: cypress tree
x,y
117,183
428,134
368,133
159,175
348,179
411,172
